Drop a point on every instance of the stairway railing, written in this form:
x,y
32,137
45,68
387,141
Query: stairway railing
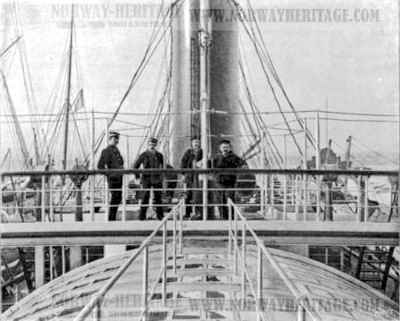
x,y
238,254
94,305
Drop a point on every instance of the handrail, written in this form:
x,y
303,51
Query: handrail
x,y
394,173
292,287
103,291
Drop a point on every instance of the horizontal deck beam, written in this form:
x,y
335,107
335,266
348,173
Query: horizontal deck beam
x,y
132,232
278,171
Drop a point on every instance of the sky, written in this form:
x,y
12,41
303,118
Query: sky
x,y
325,58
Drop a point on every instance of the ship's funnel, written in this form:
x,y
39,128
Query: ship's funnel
x,y
223,75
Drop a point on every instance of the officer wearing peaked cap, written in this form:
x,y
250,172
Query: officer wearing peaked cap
x,y
225,158
191,159
111,158
151,159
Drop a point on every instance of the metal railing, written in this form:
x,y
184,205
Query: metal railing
x,y
94,306
242,239
273,194
240,236
238,252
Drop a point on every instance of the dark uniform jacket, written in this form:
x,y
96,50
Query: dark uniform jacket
x,y
150,160
231,160
111,158
187,162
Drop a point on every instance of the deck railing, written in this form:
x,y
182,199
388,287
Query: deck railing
x,y
281,194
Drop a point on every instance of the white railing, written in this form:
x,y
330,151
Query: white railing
x,y
238,253
240,236
94,306
301,195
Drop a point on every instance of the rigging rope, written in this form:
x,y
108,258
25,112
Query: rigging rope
x,y
258,119
2,53
274,73
353,159
149,52
357,143
272,88
27,78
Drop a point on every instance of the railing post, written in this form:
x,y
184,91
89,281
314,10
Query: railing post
x,y
341,259
285,197
92,178
1,192
124,196
296,197
327,203
235,246
262,196
106,199
301,313
63,262
43,198
51,258
16,293
243,264
259,297
51,208
97,311
318,192
205,196
359,201
92,183
1,263
164,264
151,201
292,189
181,213
106,187
145,280
229,228
86,255
365,219
39,266
174,244
272,196
304,197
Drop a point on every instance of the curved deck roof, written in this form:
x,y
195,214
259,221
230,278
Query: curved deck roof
x,y
331,294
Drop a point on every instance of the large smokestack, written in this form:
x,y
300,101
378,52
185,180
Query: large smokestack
x,y
223,76
180,120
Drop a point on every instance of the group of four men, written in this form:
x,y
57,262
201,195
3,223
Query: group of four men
x,y
111,158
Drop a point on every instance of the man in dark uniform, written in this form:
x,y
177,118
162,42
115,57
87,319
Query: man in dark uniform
x,y
151,159
111,159
225,158
190,159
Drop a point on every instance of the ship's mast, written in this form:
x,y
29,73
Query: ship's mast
x,y
204,93
68,96
17,124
